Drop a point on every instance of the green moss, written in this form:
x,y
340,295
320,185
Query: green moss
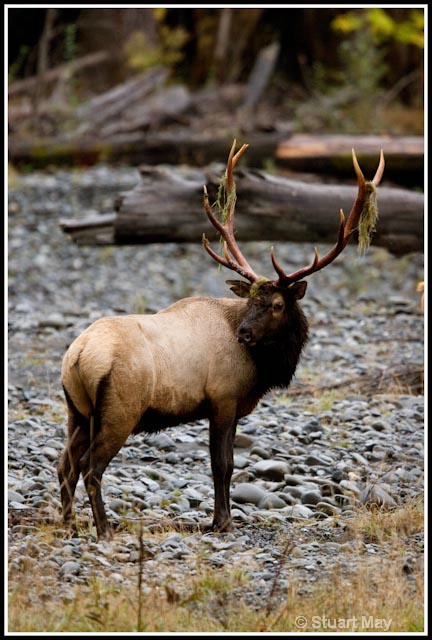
x,y
254,290
368,218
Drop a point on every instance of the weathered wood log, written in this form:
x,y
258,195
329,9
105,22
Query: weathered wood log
x,y
179,147
404,155
91,230
61,72
166,206
168,103
332,154
101,110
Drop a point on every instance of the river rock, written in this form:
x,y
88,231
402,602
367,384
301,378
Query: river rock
x,y
247,492
271,469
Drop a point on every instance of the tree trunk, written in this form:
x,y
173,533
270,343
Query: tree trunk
x,y
167,207
43,58
220,63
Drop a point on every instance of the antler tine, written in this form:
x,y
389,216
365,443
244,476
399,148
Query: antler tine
x,y
233,158
301,273
346,228
226,229
230,184
380,170
353,217
229,168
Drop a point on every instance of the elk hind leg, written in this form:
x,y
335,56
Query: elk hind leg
x,y
68,469
106,444
110,427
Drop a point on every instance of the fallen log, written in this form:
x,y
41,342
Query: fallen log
x,y
166,206
179,146
163,105
111,105
61,72
331,154
404,155
91,230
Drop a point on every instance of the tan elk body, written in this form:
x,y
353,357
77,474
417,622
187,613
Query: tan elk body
x,y
199,358
153,360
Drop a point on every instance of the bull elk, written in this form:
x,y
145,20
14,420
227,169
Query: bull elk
x,y
200,358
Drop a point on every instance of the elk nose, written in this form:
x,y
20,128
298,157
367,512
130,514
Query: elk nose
x,y
244,336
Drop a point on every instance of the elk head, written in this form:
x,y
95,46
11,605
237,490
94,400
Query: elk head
x,y
271,302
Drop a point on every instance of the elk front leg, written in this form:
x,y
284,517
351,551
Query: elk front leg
x,y
222,432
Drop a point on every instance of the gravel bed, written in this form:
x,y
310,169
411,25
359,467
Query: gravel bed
x,y
303,462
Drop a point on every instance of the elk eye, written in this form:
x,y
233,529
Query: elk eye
x,y
278,305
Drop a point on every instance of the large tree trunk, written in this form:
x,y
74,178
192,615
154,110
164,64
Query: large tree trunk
x,y
166,206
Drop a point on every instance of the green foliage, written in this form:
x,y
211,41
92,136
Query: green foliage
x,y
142,54
363,65
344,100
17,66
382,26
70,43
352,98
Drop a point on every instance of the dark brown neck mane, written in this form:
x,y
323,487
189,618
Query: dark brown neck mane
x,y
275,359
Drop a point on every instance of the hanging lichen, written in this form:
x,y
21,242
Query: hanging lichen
x,y
223,200
368,218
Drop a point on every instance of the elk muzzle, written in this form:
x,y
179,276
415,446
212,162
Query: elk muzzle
x,y
245,335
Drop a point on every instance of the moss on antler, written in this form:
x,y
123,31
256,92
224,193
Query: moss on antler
x,y
224,201
256,286
368,218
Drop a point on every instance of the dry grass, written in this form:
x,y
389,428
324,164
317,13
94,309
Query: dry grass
x,y
379,592
376,596
387,526
361,591
206,605
397,380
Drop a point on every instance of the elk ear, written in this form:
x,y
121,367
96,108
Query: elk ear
x,y
240,288
299,289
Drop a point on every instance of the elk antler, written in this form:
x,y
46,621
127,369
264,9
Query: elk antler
x,y
346,228
233,258
236,261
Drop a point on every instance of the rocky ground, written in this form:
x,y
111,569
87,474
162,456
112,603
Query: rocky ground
x,y
304,461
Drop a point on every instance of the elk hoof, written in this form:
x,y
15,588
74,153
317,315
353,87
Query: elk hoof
x,y
106,534
222,528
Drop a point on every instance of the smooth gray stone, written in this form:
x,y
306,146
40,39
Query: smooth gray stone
x,y
271,469
247,492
